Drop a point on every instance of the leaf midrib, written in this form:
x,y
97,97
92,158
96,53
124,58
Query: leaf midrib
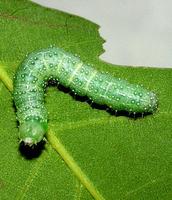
x,y
59,148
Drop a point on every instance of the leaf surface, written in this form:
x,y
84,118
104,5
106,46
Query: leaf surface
x,y
124,158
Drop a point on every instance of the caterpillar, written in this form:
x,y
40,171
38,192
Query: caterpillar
x,y
54,63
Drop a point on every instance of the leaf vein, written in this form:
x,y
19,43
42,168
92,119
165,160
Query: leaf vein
x,y
151,182
31,177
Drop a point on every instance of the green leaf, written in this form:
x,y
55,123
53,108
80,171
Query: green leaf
x,y
122,158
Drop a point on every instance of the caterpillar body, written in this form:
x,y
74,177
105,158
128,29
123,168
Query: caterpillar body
x,y
54,63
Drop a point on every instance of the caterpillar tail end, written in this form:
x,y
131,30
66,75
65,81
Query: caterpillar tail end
x,y
152,103
32,132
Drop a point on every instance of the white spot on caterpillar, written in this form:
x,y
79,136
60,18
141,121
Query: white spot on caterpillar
x,y
60,64
77,69
107,88
89,80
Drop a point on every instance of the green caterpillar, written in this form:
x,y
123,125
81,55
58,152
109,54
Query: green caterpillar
x,y
56,64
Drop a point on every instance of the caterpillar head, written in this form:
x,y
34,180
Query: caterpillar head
x,y
32,132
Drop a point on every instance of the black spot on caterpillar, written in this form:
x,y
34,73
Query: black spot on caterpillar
x,y
56,64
